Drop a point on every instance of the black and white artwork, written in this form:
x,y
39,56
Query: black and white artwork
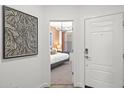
x,y
20,33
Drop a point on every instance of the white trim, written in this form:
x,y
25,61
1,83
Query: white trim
x,y
78,84
44,85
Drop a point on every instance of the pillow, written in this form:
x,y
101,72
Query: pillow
x,y
53,51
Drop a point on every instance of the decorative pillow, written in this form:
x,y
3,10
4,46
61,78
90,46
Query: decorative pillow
x,y
53,51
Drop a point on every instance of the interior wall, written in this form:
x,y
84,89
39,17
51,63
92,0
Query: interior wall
x,y
29,71
78,14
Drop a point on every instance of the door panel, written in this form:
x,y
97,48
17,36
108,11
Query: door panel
x,y
101,46
104,61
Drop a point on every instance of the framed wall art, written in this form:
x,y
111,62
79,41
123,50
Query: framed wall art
x,y
20,34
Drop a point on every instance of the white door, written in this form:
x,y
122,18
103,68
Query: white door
x,y
103,51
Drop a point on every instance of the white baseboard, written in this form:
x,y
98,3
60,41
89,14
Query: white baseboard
x,y
44,85
79,85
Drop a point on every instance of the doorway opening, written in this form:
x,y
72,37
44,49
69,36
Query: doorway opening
x,y
60,45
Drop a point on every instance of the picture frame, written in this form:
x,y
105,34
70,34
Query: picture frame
x,y
20,34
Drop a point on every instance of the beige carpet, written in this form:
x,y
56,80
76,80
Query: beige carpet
x,y
62,74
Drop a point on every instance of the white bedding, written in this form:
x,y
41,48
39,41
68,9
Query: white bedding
x,y
58,57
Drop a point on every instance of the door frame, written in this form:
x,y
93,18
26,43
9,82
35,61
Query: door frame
x,y
85,42
72,46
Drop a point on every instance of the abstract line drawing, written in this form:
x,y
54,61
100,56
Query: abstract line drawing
x,y
20,33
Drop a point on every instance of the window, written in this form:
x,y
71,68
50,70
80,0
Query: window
x,y
51,37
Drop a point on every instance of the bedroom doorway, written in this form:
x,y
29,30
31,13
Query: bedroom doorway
x,y
60,44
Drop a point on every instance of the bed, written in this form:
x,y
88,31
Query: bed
x,y
58,59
